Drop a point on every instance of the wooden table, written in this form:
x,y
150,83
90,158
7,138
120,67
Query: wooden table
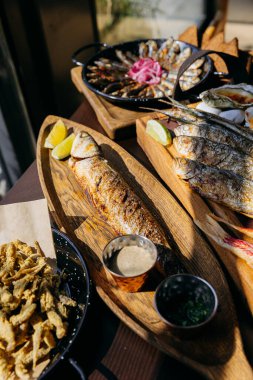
x,y
107,349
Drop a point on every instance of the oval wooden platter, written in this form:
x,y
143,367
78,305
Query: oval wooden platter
x,y
217,353
162,160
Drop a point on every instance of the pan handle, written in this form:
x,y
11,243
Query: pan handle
x,y
78,368
235,68
85,47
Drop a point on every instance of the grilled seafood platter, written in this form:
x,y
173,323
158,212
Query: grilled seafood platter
x,y
144,70
215,156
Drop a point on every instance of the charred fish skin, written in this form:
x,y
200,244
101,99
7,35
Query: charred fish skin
x,y
112,196
116,200
214,154
221,186
216,133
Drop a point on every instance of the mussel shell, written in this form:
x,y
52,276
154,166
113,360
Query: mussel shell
x,y
229,96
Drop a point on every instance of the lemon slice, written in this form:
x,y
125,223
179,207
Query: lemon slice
x,y
63,149
159,132
57,135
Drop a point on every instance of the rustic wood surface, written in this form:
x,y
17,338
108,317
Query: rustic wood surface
x,y
218,352
162,160
117,122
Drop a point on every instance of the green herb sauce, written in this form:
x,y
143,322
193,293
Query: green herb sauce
x,y
186,311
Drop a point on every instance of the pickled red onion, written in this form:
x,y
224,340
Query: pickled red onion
x,y
146,70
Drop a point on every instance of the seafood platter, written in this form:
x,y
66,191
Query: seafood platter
x,y
207,163
106,202
137,73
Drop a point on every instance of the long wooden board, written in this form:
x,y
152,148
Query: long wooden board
x,y
162,160
116,121
217,353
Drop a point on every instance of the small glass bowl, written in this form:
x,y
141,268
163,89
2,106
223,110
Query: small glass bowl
x,y
128,283
189,290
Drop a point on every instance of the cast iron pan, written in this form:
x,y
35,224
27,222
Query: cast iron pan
x,y
77,286
209,79
133,46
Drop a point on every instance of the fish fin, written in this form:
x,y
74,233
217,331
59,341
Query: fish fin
x,y
243,230
238,247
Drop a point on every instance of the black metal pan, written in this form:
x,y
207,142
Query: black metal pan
x,y
77,286
106,51
209,78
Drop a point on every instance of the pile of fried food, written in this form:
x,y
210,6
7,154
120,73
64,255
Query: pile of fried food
x,y
33,311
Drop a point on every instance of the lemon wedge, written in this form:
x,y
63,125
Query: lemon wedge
x,y
57,135
63,149
158,132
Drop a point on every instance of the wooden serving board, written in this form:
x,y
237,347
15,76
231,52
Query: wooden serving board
x,y
117,122
162,160
217,352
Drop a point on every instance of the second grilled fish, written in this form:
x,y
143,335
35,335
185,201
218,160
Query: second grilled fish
x,y
216,134
116,200
219,155
218,185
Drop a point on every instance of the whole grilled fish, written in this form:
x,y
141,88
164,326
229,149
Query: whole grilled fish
x,y
218,185
219,155
216,134
115,199
182,113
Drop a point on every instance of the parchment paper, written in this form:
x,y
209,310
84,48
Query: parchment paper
x,y
27,221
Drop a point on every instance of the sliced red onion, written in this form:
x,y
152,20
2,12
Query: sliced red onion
x,y
146,70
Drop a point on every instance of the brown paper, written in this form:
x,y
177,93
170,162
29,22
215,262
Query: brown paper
x,y
28,222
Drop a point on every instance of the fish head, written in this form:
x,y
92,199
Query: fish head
x,y
84,146
186,130
184,168
183,144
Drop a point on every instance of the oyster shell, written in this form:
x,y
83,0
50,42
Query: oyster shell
x,y
204,107
229,96
235,115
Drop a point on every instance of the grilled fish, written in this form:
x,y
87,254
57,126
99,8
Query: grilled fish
x,y
123,209
114,198
84,146
182,113
219,155
222,186
216,134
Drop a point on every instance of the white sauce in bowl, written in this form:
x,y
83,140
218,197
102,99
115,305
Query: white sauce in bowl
x,y
132,261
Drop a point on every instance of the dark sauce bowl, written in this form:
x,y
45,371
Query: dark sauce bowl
x,y
186,303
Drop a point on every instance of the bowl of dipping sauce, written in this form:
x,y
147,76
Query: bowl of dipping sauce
x,y
187,303
129,259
